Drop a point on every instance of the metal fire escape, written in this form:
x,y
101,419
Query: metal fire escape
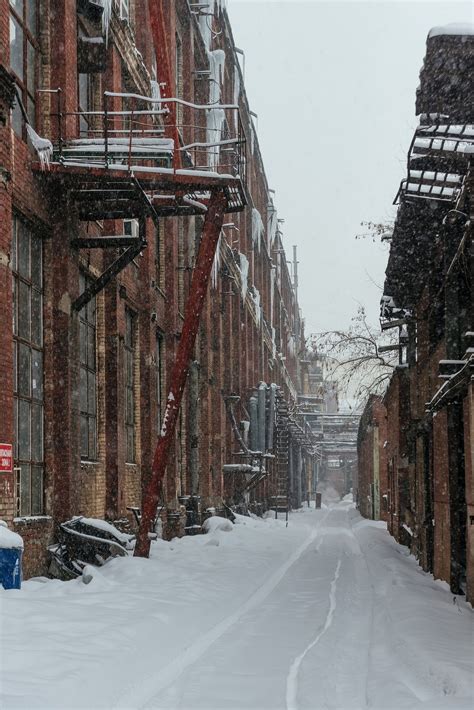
x,y
126,163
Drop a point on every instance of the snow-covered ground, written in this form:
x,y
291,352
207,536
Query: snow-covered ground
x,y
327,613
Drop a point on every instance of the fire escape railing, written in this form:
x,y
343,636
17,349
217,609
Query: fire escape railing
x,y
134,137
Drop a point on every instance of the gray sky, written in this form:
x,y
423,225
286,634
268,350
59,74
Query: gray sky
x,y
333,84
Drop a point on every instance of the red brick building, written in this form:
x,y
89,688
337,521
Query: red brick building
x,y
430,299
372,493
96,255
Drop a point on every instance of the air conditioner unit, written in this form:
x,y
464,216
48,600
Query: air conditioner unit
x,y
131,228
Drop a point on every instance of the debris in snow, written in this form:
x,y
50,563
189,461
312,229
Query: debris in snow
x,y
43,147
244,273
9,540
105,527
257,228
215,522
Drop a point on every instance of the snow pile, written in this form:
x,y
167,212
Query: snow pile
x,y
106,527
267,604
244,274
454,28
215,522
43,147
257,228
9,540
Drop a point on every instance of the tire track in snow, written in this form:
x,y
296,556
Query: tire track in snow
x,y
139,695
292,678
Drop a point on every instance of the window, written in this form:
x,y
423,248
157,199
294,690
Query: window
x,y
27,268
159,378
131,227
129,357
23,56
88,376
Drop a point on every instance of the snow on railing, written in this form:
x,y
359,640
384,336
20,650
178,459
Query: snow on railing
x,y
133,136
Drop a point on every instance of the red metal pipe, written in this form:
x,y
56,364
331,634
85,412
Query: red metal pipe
x,y
192,316
165,75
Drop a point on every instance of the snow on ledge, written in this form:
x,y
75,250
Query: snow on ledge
x,y
454,28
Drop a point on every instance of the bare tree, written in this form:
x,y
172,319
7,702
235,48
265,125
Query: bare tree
x,y
360,368
377,231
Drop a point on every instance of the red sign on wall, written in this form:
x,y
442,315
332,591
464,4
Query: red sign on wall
x,y
6,458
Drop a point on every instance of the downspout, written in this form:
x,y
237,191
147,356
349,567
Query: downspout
x,y
194,426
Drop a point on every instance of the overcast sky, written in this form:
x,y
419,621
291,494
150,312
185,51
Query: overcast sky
x,y
333,84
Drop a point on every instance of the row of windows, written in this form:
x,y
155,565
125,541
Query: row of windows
x,y
27,272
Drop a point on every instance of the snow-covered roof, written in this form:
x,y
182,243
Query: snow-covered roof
x,y
454,28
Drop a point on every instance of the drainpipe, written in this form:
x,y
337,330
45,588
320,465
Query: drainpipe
x,y
271,416
262,419
193,426
253,411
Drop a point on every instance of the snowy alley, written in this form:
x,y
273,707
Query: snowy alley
x,y
328,613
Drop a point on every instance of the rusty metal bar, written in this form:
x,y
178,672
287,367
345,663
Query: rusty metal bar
x,y
202,271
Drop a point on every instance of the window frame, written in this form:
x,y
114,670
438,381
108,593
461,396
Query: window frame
x,y
25,345
29,37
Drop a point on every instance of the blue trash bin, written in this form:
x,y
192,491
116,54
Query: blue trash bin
x,y
10,568
11,551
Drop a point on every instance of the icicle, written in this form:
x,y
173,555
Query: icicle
x,y
106,16
156,94
256,301
215,116
272,225
43,147
257,228
236,94
216,264
244,273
